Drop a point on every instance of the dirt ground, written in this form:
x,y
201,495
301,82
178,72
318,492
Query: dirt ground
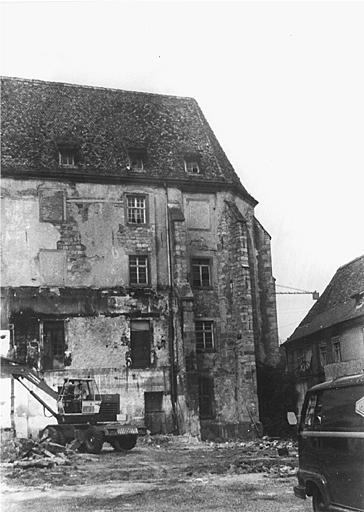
x,y
159,474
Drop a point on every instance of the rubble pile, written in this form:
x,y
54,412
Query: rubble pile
x,y
27,453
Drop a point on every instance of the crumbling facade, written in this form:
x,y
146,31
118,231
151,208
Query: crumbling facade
x,y
131,253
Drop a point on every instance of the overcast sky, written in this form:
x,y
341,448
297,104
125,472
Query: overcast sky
x,y
281,83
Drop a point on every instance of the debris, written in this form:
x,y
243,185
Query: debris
x,y
27,453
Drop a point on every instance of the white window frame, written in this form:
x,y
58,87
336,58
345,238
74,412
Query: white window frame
x,y
207,327
136,208
139,265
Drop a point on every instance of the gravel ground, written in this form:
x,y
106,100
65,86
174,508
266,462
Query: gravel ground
x,y
162,474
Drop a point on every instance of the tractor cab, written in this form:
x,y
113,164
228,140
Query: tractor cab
x,y
79,396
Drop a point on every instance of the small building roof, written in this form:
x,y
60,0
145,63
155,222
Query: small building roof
x,y
338,303
105,125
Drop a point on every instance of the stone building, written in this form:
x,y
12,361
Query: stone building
x,y
131,253
329,342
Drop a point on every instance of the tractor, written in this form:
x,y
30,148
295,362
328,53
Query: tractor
x,y
83,414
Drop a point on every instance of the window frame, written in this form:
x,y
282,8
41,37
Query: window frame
x,y
136,196
336,354
323,355
52,352
146,266
191,161
146,361
42,194
201,285
190,164
137,155
66,152
201,330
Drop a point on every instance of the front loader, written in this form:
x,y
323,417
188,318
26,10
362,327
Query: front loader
x,y
83,414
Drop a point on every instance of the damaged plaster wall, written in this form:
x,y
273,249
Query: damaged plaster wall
x,y
94,236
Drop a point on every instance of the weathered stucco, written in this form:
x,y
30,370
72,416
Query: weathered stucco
x,y
91,294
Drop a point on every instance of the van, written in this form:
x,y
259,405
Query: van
x,y
331,445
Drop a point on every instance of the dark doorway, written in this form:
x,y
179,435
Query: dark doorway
x,y
54,346
206,397
154,413
140,341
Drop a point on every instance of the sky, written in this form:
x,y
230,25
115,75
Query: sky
x,y
281,84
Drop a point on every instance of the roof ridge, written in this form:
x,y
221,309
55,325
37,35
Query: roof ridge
x,y
96,87
350,262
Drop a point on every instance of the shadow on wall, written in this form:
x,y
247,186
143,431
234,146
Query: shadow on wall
x,y
277,395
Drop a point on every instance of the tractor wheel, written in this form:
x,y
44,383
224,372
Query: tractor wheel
x,y
116,445
94,439
318,503
51,434
126,442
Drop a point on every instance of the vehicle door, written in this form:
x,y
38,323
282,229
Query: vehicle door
x,y
308,442
341,444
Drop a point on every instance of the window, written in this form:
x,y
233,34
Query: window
x,y
136,209
310,412
138,270
323,355
140,343
206,397
192,166
67,157
204,336
336,347
52,205
54,345
137,158
201,273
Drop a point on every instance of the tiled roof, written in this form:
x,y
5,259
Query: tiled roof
x,y
337,303
104,124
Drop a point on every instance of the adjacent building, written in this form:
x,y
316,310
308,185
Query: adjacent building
x,y
329,342
131,253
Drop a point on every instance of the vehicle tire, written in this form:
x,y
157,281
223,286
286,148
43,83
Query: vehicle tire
x,y
61,438
94,439
318,503
116,445
126,442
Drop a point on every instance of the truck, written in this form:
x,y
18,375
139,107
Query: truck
x,y
83,414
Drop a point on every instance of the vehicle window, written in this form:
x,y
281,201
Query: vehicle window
x,y
336,409
309,412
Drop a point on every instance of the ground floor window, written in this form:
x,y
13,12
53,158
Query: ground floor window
x,y
206,397
54,345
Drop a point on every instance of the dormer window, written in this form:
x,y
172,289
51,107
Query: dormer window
x,y
67,156
137,159
192,164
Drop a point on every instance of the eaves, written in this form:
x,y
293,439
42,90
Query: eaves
x,y
94,176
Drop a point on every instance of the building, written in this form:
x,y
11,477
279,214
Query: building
x,y
329,342
131,253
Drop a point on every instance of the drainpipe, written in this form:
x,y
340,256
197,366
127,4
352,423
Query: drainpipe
x,y
12,407
173,371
